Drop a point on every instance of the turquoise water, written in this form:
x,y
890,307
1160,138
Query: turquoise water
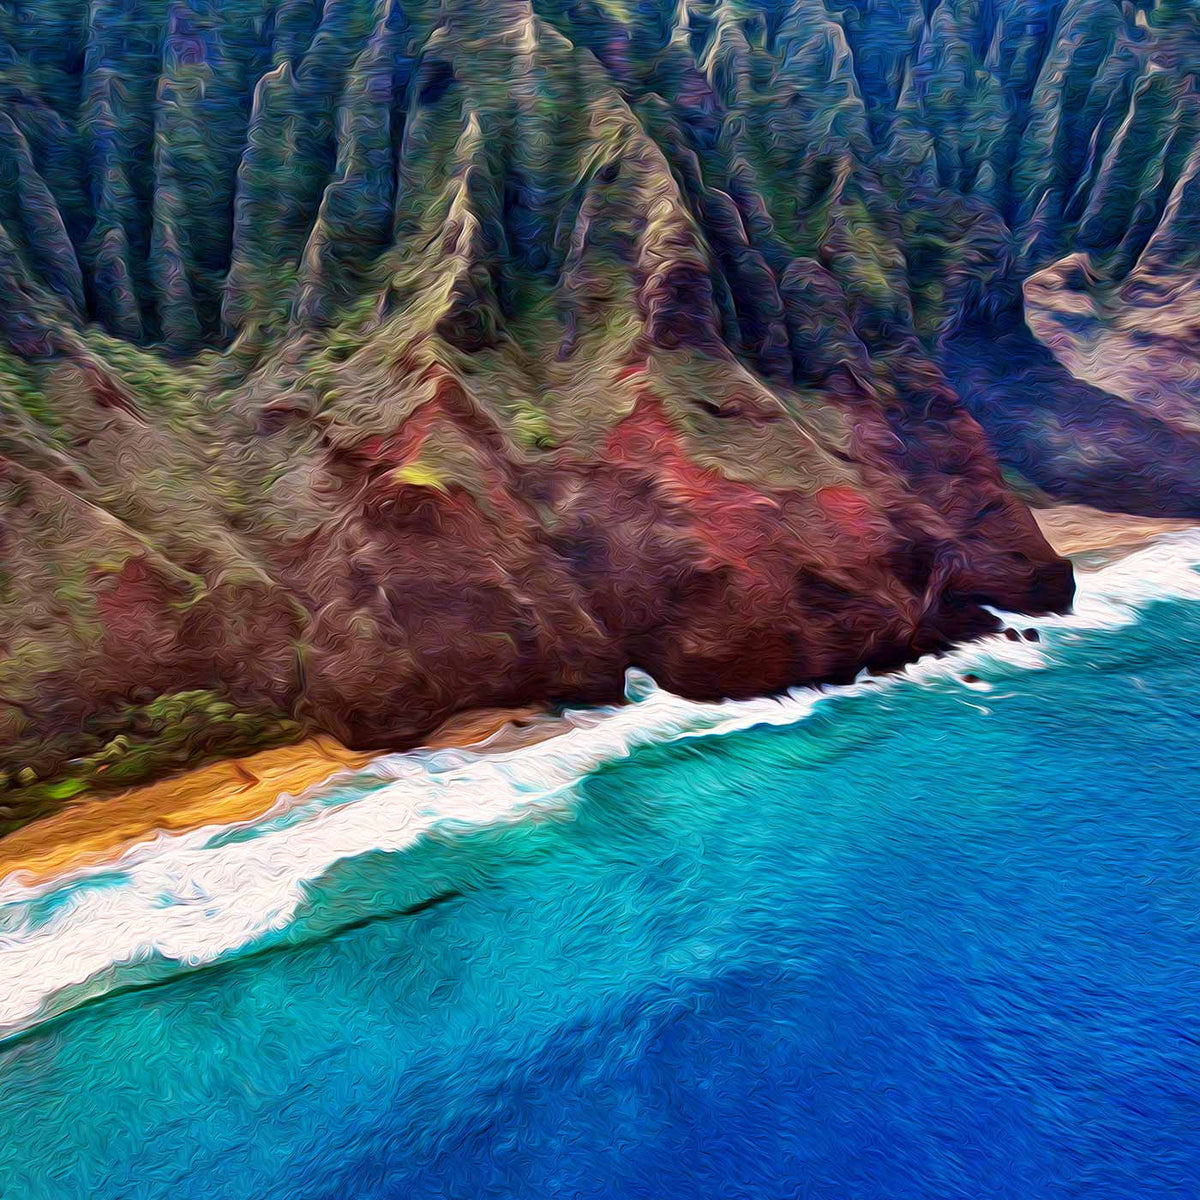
x,y
916,939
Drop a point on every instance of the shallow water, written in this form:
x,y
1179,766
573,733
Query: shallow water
x,y
912,938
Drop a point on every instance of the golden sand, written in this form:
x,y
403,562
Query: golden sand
x,y
93,829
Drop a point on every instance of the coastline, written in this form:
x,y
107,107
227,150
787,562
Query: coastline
x,y
92,829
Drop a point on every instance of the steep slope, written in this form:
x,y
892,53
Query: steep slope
x,y
394,356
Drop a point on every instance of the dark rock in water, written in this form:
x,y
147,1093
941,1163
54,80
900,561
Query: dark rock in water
x,y
1032,635
1012,635
971,679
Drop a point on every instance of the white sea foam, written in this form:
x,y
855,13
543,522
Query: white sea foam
x,y
190,899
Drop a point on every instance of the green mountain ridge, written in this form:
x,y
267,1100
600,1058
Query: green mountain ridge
x,y
192,175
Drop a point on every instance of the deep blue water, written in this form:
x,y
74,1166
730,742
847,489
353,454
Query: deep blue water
x,y
933,941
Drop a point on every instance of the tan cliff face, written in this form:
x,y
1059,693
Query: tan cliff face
x,y
372,361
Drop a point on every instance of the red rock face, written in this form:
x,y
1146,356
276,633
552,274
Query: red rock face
x,y
435,567
548,584
429,598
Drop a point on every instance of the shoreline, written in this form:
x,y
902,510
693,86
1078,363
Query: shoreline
x,y
90,830
93,829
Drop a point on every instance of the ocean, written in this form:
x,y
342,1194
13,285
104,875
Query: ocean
x,y
922,936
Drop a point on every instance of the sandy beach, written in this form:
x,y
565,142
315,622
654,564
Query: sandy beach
x,y
95,829
1079,532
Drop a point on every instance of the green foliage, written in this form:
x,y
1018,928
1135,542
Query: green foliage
x,y
532,428
20,386
165,387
